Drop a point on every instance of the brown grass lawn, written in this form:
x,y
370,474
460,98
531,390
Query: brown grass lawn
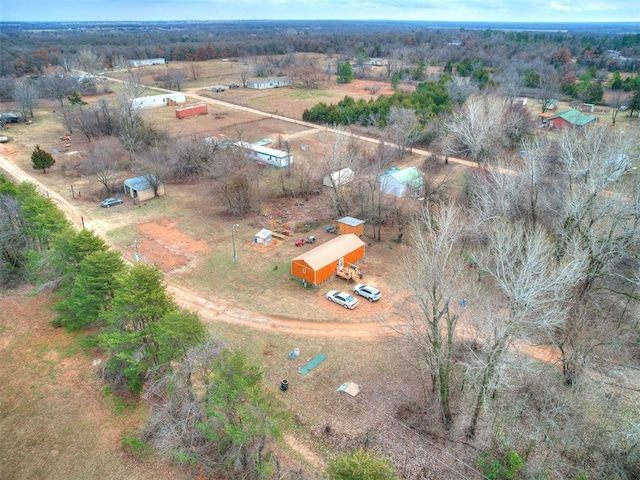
x,y
55,421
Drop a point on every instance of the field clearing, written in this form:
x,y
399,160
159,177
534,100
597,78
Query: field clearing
x,y
56,423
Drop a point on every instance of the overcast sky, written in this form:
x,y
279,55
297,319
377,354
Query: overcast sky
x,y
444,10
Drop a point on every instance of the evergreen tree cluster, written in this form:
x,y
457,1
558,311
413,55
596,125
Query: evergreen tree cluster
x,y
428,100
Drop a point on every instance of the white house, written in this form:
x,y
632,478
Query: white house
x,y
401,182
159,100
339,178
266,155
274,82
146,62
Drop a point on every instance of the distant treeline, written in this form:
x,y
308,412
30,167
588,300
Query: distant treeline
x,y
31,47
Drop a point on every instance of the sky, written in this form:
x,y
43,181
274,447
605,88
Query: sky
x,y
427,10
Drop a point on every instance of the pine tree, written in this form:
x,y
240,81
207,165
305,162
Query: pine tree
x,y
346,73
42,159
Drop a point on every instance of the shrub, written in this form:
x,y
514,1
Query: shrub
x,y
361,465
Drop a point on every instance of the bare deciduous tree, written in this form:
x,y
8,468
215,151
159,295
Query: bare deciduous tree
x,y
154,166
26,94
434,270
194,71
176,403
601,214
190,155
533,286
58,85
13,240
307,75
474,131
235,181
337,156
104,162
402,128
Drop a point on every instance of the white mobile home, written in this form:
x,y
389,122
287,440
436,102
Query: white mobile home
x,y
262,83
159,100
266,155
146,62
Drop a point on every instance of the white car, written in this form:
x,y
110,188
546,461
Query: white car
x,y
342,298
369,292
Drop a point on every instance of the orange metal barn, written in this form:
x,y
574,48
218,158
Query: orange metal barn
x,y
350,225
319,265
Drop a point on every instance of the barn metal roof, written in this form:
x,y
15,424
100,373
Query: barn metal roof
x,y
352,222
330,251
408,176
139,183
575,117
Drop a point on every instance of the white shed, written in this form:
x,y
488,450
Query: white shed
x,y
339,178
262,237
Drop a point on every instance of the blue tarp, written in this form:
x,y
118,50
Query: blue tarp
x,y
317,360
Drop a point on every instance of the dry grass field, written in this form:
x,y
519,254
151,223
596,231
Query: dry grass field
x,y
55,420
251,304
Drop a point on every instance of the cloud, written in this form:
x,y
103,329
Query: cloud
x,y
426,10
587,7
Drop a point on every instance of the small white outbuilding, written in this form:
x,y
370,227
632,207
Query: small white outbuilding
x,y
263,237
339,178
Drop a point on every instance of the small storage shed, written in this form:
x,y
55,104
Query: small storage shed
x,y
350,225
339,178
319,265
263,237
141,188
407,181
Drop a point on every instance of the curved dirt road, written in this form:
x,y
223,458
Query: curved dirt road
x,y
206,309
210,311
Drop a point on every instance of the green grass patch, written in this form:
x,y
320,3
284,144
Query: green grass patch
x,y
136,447
121,406
310,94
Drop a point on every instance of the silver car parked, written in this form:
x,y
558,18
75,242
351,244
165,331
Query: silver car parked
x,y
342,298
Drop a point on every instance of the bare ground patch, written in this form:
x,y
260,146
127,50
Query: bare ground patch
x,y
166,246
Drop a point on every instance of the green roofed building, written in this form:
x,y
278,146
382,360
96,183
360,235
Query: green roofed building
x,y
569,118
401,182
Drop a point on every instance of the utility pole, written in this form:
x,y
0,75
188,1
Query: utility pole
x,y
233,241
